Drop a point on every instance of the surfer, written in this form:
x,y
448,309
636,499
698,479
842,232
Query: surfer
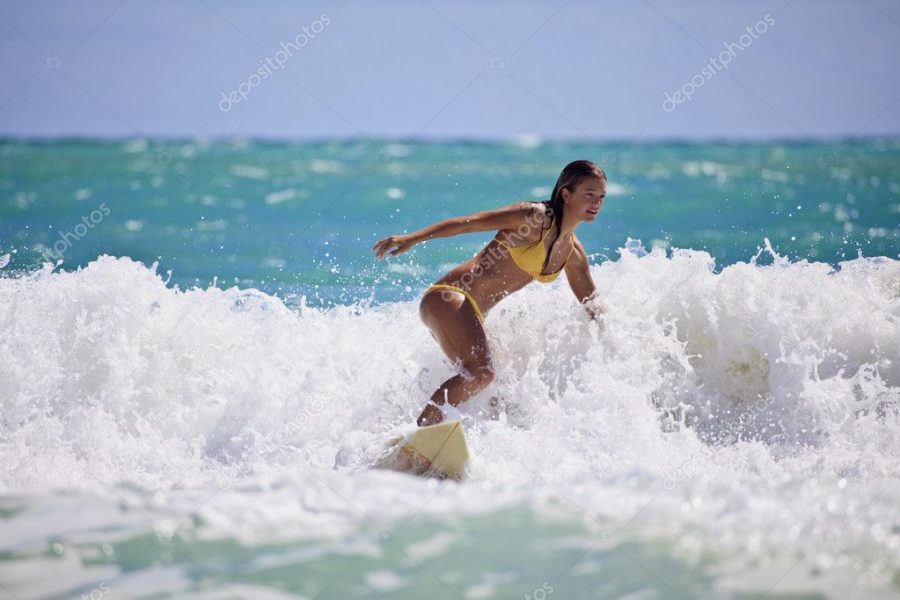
x,y
534,241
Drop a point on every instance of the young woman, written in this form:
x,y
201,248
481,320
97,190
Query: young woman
x,y
534,241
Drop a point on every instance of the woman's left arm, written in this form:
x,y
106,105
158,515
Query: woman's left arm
x,y
578,273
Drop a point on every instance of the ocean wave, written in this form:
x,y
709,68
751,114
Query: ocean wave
x,y
109,361
745,385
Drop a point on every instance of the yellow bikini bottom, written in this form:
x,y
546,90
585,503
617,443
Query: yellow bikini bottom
x,y
443,286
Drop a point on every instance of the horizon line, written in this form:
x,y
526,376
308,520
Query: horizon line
x,y
523,140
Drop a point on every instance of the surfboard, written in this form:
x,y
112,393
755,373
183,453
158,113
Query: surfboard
x,y
435,451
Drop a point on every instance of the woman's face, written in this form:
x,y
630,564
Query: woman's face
x,y
586,199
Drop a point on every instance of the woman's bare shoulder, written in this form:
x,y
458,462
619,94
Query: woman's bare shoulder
x,y
535,213
525,212
532,219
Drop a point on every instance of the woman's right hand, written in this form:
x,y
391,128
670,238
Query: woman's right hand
x,y
401,243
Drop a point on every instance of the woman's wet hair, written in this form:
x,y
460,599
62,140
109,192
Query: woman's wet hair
x,y
574,173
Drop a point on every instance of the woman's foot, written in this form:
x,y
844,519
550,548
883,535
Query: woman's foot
x,y
432,415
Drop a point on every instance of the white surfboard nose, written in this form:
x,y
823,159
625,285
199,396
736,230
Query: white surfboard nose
x,y
437,450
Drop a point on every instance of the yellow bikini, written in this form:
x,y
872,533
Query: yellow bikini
x,y
444,286
530,258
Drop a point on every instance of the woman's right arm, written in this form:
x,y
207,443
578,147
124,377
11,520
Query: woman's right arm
x,y
506,217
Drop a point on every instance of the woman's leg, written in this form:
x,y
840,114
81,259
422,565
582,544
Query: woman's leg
x,y
462,337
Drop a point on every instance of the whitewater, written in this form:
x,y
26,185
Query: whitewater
x,y
719,432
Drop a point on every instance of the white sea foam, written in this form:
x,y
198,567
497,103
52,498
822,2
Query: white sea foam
x,y
249,171
753,410
280,196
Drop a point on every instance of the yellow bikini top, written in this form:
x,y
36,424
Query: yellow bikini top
x,y
530,257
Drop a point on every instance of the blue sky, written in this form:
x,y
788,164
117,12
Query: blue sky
x,y
576,69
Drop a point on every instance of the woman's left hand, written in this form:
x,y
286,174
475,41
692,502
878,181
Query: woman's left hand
x,y
401,243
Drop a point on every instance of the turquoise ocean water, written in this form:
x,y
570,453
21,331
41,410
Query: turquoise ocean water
x,y
201,358
289,217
